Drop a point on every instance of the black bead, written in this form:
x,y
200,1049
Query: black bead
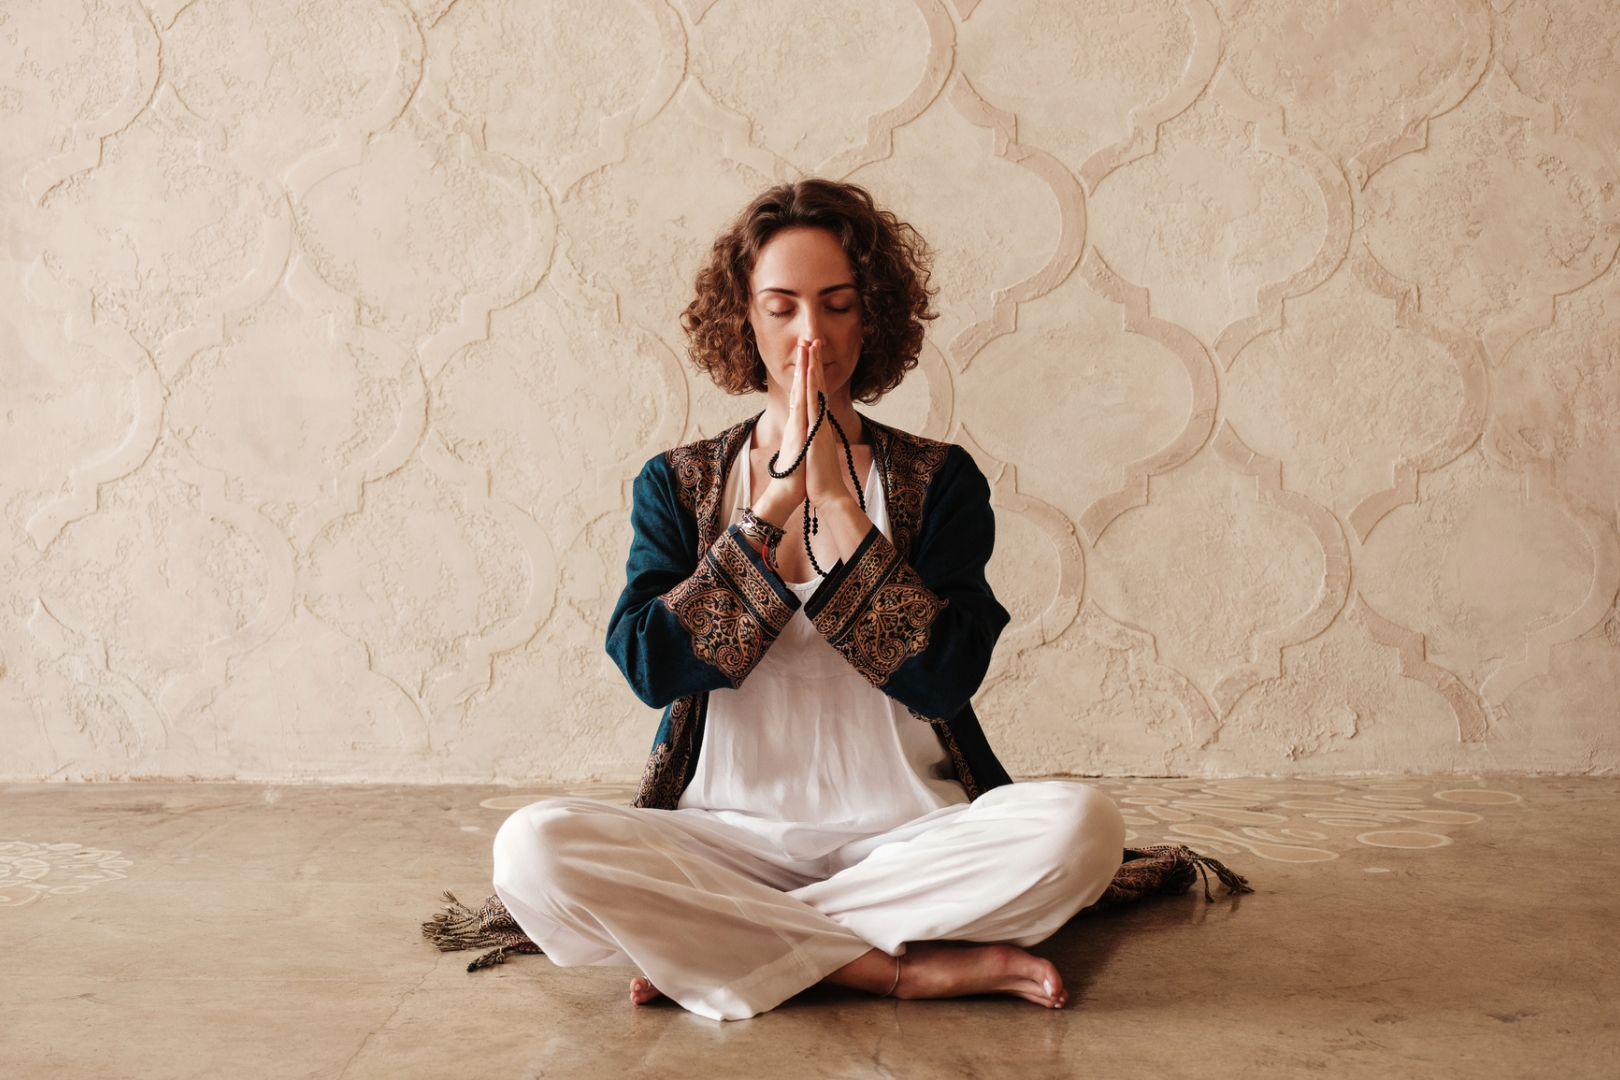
x,y
811,524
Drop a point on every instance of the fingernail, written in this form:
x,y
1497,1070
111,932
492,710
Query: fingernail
x,y
1048,985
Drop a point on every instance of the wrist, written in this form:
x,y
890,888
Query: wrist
x,y
835,504
758,544
774,506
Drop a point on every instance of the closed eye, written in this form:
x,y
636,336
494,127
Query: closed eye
x,y
834,310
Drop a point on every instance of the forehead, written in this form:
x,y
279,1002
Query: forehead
x,y
801,259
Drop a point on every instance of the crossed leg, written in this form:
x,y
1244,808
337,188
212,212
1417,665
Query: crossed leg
x,y
730,932
935,969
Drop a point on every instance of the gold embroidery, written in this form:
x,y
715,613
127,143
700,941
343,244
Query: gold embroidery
x,y
700,469
732,621
691,465
896,627
959,762
911,462
654,776
858,582
730,608
752,582
670,766
882,614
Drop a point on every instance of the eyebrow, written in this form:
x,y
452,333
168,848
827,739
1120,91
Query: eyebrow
x,y
824,292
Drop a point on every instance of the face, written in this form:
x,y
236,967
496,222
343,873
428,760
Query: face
x,y
803,287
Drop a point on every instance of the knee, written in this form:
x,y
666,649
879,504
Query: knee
x,y
532,848
1084,828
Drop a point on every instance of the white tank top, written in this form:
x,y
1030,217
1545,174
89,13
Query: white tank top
x,y
806,751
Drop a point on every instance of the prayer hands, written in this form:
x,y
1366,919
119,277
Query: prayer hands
x,y
825,466
793,433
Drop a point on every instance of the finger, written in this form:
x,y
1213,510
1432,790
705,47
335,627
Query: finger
x,y
807,404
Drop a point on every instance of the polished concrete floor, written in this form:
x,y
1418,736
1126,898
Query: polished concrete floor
x,y
1416,927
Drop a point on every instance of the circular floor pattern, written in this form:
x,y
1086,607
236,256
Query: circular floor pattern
x,y
1478,796
30,871
1292,820
1403,838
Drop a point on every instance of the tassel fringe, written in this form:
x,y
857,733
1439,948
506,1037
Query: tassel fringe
x,y
1157,869
460,927
1168,869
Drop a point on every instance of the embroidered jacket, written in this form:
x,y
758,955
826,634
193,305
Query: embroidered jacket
x,y
915,615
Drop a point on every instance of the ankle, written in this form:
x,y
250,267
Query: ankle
x,y
894,987
872,972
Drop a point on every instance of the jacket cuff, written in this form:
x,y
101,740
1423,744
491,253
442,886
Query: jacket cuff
x,y
733,605
874,608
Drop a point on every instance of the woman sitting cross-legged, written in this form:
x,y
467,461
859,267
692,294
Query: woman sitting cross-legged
x,y
806,600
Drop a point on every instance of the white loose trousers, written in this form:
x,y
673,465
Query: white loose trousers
x,y
727,924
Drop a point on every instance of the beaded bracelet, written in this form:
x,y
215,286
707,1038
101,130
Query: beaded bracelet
x,y
757,528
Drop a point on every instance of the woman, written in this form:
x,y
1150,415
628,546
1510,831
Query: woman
x,y
807,602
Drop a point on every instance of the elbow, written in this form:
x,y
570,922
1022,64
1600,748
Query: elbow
x,y
952,688
652,694
636,671
949,701
937,698
645,695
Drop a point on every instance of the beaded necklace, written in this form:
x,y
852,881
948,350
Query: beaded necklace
x,y
811,523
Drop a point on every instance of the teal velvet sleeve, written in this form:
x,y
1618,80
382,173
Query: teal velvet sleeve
x,y
921,631
689,621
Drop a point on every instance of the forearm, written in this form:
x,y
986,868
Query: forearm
x,y
772,507
775,504
684,625
847,521
921,627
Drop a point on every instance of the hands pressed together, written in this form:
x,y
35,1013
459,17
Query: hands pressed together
x,y
821,477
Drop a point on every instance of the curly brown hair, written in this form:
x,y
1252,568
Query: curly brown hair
x,y
891,263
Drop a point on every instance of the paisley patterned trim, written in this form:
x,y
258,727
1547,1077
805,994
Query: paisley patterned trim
x,y
880,614
959,761
700,470
909,464
655,776
746,567
670,766
730,608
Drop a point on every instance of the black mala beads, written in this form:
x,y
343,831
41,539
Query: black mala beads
x,y
811,524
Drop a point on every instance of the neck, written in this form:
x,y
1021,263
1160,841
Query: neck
x,y
768,431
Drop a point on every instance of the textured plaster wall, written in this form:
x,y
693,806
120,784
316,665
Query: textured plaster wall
x,y
334,333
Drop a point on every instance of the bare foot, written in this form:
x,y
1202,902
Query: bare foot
x,y
932,969
642,990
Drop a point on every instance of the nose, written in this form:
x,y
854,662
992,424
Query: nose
x,y
810,328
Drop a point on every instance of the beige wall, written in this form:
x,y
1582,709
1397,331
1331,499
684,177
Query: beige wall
x,y
333,334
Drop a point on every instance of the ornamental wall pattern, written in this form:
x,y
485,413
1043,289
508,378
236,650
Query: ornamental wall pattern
x,y
1285,334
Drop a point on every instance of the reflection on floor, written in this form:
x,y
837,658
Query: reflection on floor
x,y
1423,927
